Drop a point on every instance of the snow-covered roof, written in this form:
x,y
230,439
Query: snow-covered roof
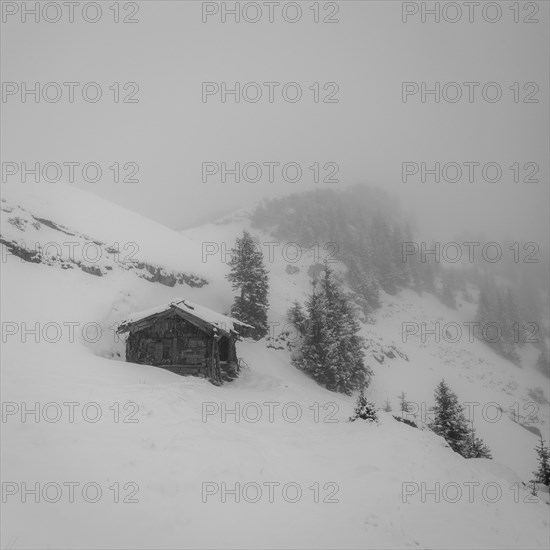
x,y
188,308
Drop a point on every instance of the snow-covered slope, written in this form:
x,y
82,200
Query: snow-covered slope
x,y
509,405
172,444
71,229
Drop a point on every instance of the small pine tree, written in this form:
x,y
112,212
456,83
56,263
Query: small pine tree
x,y
467,296
387,406
475,447
543,362
447,290
542,475
413,263
364,409
428,269
363,282
449,420
297,318
496,315
249,276
507,317
512,317
401,269
383,254
403,403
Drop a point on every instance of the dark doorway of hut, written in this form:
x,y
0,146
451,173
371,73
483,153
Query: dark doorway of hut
x,y
229,366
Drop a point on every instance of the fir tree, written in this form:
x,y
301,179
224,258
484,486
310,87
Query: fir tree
x,y
366,224
427,274
364,409
474,447
413,262
449,420
401,269
383,255
530,302
370,289
497,315
489,315
403,403
542,475
387,406
312,355
297,318
459,280
512,316
507,316
249,276
485,311
467,296
543,362
332,350
447,290
364,283
347,354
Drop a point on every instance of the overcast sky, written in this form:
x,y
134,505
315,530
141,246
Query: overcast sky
x,y
369,133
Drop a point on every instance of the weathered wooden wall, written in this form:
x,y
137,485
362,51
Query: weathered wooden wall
x,y
172,343
177,345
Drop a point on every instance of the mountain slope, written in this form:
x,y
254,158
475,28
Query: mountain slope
x,y
504,400
167,436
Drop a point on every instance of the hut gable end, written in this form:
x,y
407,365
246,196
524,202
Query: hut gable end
x,y
169,341
184,338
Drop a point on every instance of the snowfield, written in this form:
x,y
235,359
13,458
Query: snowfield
x,y
130,456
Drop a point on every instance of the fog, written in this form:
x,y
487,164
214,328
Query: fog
x,y
363,338
368,133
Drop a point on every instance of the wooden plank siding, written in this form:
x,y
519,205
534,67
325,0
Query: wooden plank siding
x,y
181,345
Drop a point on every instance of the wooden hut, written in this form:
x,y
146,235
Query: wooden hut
x,y
185,338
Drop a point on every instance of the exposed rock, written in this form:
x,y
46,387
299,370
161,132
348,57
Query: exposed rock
x,y
18,222
406,421
22,251
53,225
91,269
